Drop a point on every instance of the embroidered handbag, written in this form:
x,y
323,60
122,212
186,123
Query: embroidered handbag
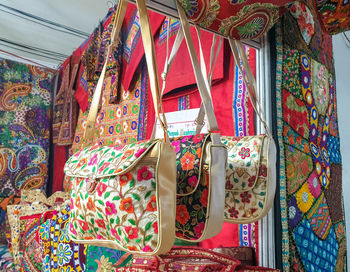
x,y
200,162
251,162
123,197
190,259
246,19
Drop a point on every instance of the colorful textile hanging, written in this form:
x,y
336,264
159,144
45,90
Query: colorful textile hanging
x,y
334,15
25,110
313,225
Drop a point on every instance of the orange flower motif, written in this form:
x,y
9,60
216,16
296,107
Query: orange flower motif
x,y
90,205
152,205
187,161
128,154
82,162
124,179
199,152
126,205
182,214
77,202
132,248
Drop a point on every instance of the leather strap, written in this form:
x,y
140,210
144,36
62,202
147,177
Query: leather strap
x,y
201,82
91,119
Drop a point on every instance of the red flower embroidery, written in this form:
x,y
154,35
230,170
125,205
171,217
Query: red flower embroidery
x,y
192,181
124,179
155,227
233,212
72,229
110,208
244,153
81,162
199,229
263,171
144,174
152,205
187,161
245,197
101,188
204,198
126,205
228,185
90,205
147,249
251,181
100,223
182,214
132,248
197,138
131,232
128,154
83,225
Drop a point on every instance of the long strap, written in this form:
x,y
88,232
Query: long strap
x,y
151,60
202,85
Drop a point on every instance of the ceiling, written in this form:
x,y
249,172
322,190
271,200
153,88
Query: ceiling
x,y
47,31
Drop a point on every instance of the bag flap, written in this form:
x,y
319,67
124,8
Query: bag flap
x,y
189,153
243,161
103,161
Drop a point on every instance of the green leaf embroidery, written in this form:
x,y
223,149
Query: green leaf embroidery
x,y
99,215
126,239
137,241
116,198
148,226
147,195
132,222
119,232
111,221
100,202
136,197
148,237
107,195
132,183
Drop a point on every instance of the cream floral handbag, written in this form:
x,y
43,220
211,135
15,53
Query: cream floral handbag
x,y
124,197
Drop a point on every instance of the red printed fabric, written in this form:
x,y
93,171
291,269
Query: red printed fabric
x,y
334,15
239,19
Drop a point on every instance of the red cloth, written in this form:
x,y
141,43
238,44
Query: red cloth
x,y
134,42
59,162
228,237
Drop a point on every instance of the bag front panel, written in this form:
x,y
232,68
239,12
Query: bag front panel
x,y
249,205
236,19
122,209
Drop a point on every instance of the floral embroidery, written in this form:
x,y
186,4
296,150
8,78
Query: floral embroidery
x,y
152,205
144,174
110,208
182,214
187,161
199,229
147,249
90,205
155,227
124,179
131,232
233,212
93,160
245,197
244,153
176,145
101,188
204,197
64,254
64,234
84,225
126,205
45,230
77,202
100,223
305,20
192,181
46,264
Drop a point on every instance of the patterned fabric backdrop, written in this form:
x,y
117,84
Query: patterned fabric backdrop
x,y
25,110
335,15
313,225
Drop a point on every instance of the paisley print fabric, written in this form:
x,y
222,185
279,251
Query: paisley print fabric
x,y
310,163
236,19
58,252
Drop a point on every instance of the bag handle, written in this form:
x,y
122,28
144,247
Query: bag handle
x,y
151,60
203,86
